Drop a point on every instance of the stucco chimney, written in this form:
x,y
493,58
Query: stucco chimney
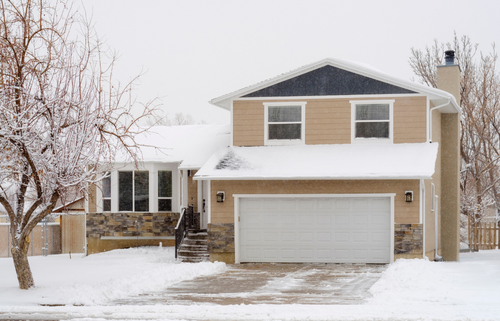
x,y
449,75
449,80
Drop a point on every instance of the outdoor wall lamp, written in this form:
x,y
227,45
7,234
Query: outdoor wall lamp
x,y
408,196
220,197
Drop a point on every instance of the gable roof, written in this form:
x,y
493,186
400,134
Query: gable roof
x,y
341,161
353,75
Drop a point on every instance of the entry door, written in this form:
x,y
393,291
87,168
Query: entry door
x,y
313,229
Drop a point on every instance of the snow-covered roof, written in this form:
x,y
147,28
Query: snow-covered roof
x,y
437,96
189,145
346,161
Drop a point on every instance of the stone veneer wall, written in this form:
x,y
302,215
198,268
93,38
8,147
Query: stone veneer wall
x,y
109,231
408,241
221,242
131,224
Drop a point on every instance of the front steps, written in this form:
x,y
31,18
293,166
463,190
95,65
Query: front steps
x,y
194,247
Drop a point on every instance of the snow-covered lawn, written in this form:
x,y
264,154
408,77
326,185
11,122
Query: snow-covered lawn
x,y
408,290
99,278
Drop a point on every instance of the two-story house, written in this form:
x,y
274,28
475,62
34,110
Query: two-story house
x,y
337,162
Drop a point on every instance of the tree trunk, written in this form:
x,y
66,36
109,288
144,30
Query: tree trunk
x,y
23,270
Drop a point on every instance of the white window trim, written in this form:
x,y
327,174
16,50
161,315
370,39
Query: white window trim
x,y
171,198
153,169
355,140
301,141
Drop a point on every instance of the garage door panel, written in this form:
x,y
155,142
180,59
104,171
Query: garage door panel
x,y
307,237
337,229
287,237
342,204
324,237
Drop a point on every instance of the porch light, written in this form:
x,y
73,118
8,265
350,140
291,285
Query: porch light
x,y
408,196
220,197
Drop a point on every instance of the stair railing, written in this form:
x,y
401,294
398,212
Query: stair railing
x,y
186,222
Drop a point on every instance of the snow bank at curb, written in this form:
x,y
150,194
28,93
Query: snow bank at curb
x,y
414,281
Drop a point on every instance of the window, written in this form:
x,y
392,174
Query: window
x,y
372,121
133,191
106,193
164,191
284,123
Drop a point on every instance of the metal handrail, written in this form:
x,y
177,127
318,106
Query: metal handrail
x,y
186,222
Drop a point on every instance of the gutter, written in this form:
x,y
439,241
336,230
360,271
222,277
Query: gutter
x,y
430,117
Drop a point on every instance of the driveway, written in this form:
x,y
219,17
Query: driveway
x,y
272,284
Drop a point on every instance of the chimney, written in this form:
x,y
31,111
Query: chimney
x,y
449,75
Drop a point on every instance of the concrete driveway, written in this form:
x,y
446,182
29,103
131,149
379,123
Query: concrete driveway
x,y
272,284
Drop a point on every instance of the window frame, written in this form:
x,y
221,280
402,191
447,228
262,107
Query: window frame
x,y
153,168
133,190
158,197
277,142
106,175
372,140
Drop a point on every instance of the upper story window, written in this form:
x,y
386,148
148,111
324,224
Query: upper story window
x,y
372,121
284,123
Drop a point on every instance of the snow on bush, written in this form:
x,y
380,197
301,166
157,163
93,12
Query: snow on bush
x,y
232,161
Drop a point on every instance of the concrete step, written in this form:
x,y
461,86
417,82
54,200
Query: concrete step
x,y
196,247
197,236
194,242
193,259
192,253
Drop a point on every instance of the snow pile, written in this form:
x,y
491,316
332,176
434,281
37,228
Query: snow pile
x,y
99,278
470,282
406,280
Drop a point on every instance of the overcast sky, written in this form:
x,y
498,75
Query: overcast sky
x,y
194,51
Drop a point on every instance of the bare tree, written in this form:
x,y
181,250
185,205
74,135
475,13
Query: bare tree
x,y
480,122
60,114
178,120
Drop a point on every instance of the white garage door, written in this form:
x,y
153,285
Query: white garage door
x,y
307,229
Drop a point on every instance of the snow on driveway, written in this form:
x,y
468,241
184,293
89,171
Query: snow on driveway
x,y
407,290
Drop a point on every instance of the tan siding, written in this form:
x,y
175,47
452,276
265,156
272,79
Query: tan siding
x,y
404,212
328,121
73,233
193,192
92,198
410,123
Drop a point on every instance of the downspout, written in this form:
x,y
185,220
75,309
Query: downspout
x,y
422,213
436,236
430,117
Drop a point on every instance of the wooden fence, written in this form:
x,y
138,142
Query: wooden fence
x,y
484,235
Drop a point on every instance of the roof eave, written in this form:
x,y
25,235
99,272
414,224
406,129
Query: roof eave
x,y
384,177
